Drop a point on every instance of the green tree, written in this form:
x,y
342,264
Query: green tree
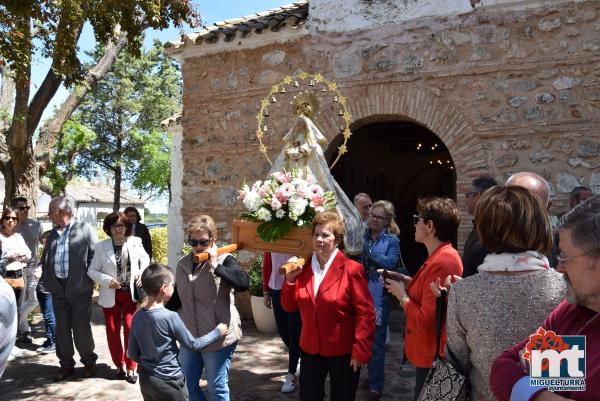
x,y
51,29
125,111
74,138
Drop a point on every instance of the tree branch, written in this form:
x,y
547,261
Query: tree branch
x,y
49,132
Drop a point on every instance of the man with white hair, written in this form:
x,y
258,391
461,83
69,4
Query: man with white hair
x,y
69,251
579,261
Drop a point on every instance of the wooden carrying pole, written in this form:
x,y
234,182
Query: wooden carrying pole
x,y
201,257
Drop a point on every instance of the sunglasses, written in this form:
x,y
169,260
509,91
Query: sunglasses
x,y
416,219
195,242
24,207
9,218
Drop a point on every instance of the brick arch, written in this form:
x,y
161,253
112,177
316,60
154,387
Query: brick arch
x,y
399,101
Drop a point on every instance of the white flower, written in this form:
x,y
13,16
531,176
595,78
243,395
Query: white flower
x,y
297,206
300,222
256,186
319,209
263,214
252,201
287,189
280,213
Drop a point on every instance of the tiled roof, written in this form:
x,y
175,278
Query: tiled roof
x,y
93,194
293,15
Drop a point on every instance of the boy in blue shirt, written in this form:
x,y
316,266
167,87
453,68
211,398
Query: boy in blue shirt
x,y
152,341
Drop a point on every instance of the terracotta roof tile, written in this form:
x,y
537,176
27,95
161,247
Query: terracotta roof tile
x,y
292,14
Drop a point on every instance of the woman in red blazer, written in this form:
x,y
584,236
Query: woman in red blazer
x,y
435,225
338,319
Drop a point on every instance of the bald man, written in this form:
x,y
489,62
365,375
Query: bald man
x,y
533,182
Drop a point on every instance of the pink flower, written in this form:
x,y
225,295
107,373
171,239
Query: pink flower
x,y
287,189
280,196
275,204
315,189
317,200
283,176
263,190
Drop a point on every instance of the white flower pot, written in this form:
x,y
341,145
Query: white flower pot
x,y
263,316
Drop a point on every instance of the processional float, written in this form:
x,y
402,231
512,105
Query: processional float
x,y
280,208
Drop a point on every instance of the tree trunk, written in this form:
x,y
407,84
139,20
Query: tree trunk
x,y
21,179
118,173
117,196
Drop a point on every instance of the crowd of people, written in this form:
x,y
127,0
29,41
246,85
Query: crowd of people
x,y
517,273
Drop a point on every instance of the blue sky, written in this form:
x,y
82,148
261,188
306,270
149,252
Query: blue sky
x,y
211,11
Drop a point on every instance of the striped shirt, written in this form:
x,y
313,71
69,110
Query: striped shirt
x,y
61,257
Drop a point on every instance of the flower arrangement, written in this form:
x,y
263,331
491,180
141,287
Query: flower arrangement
x,y
282,201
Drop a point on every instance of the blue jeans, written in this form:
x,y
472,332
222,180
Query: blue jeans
x,y
377,363
216,364
45,300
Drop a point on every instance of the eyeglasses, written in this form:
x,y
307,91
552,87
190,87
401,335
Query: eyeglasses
x,y
470,194
118,226
9,218
416,219
378,218
561,261
195,242
24,207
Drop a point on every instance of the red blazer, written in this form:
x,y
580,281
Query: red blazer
x,y
340,318
420,309
266,271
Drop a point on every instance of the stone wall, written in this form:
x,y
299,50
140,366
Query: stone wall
x,y
505,90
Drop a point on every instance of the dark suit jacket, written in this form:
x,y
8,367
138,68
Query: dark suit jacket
x,y
340,318
473,254
142,231
82,242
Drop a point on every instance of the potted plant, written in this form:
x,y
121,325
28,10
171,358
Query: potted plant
x,y
263,316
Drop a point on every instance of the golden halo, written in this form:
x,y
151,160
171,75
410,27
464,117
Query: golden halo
x,y
306,103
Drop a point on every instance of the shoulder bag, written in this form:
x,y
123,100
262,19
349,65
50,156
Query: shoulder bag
x,y
445,380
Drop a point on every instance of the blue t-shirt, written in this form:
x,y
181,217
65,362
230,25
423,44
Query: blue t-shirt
x,y
152,341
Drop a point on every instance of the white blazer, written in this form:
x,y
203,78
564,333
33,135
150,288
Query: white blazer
x,y
103,268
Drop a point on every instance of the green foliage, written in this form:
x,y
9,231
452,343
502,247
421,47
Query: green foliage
x,y
51,29
124,112
160,245
255,273
101,234
74,138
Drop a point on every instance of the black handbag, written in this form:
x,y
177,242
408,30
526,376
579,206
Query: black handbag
x,y
445,381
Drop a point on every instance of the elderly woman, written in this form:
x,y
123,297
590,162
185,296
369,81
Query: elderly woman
x,y
381,251
514,290
337,313
117,268
205,291
435,226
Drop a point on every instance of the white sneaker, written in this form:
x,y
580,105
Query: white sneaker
x,y
15,353
290,383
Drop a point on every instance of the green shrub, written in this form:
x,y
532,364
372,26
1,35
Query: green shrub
x,y
101,234
255,273
160,245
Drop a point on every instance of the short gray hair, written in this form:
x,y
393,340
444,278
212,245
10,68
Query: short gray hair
x,y
584,222
360,195
65,203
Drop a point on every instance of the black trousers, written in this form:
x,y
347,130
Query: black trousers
x,y
154,388
420,381
313,373
289,326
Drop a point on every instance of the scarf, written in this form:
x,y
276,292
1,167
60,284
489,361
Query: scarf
x,y
514,262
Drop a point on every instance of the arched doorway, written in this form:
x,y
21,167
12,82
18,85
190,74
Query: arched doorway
x,y
400,161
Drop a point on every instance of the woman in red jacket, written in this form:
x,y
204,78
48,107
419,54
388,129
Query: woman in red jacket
x,y
338,319
435,225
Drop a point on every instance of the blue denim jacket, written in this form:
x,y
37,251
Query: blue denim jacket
x,y
382,253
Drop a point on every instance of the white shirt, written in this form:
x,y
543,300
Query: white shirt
x,y
316,268
276,279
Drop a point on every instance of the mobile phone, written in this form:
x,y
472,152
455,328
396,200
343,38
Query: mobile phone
x,y
387,275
